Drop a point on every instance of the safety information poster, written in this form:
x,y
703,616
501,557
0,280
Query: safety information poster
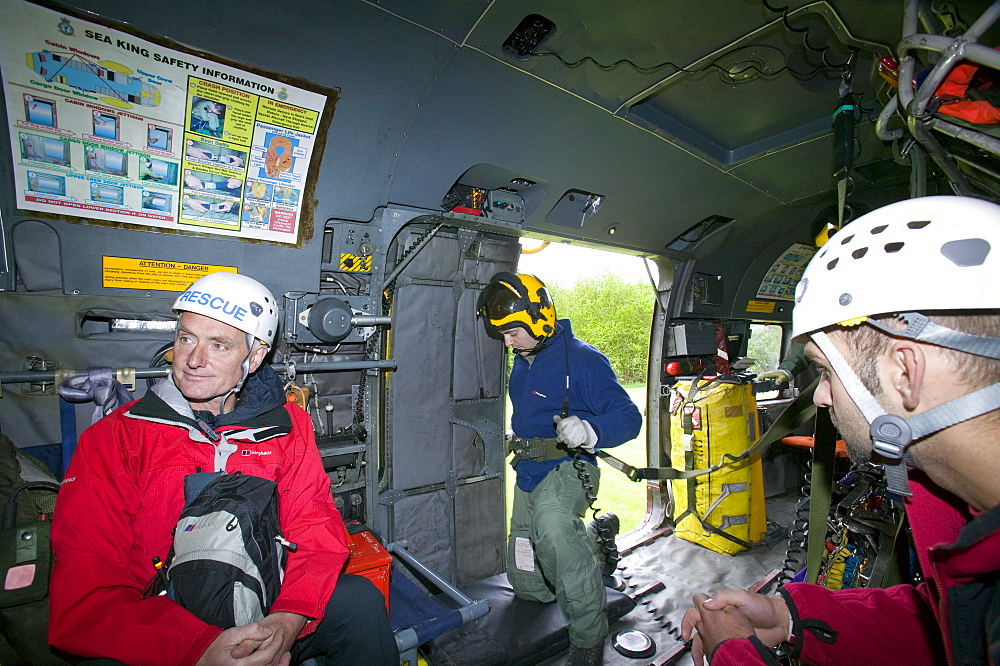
x,y
785,273
108,126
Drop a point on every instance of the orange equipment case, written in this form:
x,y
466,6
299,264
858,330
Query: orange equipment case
x,y
368,558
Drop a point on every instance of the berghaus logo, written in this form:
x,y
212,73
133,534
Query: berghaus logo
x,y
247,452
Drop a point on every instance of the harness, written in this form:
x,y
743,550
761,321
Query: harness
x,y
550,448
538,449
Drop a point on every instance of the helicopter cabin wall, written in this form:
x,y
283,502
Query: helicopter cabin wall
x,y
445,405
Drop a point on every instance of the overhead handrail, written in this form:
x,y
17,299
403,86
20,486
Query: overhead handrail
x,y
57,376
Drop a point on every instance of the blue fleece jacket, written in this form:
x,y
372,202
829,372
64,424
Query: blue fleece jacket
x,y
537,391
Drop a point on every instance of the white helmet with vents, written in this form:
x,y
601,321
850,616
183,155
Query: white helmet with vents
x,y
233,299
931,253
906,259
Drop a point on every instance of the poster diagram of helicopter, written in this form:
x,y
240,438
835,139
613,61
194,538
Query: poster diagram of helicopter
x,y
112,81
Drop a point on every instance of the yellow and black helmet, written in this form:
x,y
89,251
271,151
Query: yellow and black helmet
x,y
829,221
522,300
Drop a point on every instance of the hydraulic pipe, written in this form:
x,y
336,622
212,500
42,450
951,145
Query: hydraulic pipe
x,y
49,376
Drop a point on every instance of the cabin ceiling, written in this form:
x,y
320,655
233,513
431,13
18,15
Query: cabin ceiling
x,y
736,94
428,96
755,78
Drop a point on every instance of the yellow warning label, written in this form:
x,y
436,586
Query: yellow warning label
x,y
128,273
355,263
760,306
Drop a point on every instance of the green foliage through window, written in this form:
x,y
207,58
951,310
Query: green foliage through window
x,y
613,315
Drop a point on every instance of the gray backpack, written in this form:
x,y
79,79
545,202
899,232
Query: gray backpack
x,y
228,557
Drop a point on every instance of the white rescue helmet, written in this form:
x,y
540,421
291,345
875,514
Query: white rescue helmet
x,y
930,253
906,259
233,299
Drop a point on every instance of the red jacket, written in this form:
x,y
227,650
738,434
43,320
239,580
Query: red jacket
x,y
951,618
122,496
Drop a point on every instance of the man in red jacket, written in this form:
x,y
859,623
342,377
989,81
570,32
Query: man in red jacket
x,y
901,313
223,409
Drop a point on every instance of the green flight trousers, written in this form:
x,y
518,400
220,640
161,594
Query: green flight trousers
x,y
552,555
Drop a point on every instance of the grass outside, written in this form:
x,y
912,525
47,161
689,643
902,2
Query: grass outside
x,y
616,493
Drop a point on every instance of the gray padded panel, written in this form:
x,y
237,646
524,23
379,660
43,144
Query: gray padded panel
x,y
424,522
479,367
420,429
453,431
480,537
46,325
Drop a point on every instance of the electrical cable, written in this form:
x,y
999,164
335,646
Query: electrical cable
x,y
798,532
314,350
805,37
724,71
159,360
331,278
605,535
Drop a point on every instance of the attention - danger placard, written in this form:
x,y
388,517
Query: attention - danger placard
x,y
128,273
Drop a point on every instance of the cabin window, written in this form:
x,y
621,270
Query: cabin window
x,y
765,347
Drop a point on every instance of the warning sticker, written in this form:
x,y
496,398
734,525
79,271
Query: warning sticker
x,y
524,554
356,263
128,273
760,306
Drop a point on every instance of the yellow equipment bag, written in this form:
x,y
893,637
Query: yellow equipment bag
x,y
713,422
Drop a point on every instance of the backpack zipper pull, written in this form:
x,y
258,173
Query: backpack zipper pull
x,y
286,543
161,574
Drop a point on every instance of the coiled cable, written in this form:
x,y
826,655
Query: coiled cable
x,y
604,533
798,532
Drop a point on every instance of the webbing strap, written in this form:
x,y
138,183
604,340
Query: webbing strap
x,y
798,412
920,327
885,572
824,455
955,411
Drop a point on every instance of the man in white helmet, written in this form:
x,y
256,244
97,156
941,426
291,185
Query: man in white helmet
x,y
221,409
901,313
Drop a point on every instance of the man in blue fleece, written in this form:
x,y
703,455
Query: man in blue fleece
x,y
567,403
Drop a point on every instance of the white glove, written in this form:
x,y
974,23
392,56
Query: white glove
x,y
779,375
575,434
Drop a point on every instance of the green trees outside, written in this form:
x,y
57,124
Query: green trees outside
x,y
613,315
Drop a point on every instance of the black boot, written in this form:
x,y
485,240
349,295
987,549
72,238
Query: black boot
x,y
586,656
607,527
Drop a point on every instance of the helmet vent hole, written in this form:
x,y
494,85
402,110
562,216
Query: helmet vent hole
x,y
847,240
860,252
917,224
833,264
879,229
892,248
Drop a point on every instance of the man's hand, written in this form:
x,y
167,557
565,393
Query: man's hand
x,y
286,625
716,626
765,616
252,644
265,643
575,433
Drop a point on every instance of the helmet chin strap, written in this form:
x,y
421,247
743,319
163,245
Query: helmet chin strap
x,y
892,435
252,344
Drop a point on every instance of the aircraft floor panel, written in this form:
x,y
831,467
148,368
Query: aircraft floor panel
x,y
685,568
